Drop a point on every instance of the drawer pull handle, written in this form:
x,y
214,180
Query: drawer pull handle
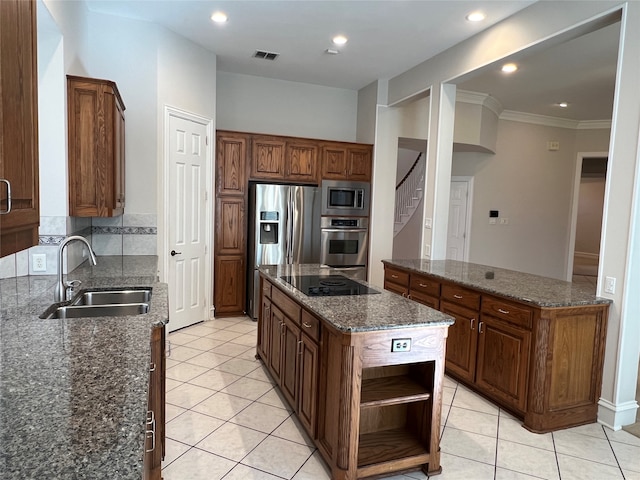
x,y
472,322
480,327
505,312
306,325
394,276
152,368
424,285
151,433
404,294
455,295
8,210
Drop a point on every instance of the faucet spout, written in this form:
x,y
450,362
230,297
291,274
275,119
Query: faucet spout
x,y
60,294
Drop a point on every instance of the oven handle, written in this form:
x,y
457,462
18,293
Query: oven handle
x,y
345,230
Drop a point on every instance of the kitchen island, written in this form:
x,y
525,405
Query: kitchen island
x,y
534,345
74,392
362,372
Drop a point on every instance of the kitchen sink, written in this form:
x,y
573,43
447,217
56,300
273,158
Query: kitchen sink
x,y
80,311
113,297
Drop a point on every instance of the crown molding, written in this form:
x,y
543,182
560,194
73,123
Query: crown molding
x,y
476,98
595,125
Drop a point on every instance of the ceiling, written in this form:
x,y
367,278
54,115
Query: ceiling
x,y
386,38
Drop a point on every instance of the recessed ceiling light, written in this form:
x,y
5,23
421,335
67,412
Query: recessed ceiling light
x,y
219,17
476,16
339,39
509,67
563,104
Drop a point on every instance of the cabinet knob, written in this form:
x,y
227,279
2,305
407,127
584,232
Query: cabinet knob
x,y
457,296
306,325
504,312
174,253
472,322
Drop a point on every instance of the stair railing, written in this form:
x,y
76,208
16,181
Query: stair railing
x,y
407,188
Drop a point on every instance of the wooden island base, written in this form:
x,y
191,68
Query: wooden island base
x,y
369,410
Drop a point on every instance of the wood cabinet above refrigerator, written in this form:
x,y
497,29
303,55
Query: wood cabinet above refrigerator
x,y
96,148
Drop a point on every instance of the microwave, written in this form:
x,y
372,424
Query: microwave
x,y
345,198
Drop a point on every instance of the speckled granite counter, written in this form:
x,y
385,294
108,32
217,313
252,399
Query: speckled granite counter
x,y
524,287
357,313
73,393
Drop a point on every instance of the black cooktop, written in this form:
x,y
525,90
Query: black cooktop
x,y
327,285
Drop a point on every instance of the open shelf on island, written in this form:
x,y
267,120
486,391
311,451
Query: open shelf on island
x,y
391,390
392,447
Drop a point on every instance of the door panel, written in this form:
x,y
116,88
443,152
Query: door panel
x,y
462,341
187,223
456,234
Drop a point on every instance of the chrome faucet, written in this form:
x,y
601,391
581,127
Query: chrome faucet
x,y
60,294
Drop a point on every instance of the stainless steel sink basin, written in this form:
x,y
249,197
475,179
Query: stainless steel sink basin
x,y
114,297
79,311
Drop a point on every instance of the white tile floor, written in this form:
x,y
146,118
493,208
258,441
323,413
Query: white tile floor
x,y
225,420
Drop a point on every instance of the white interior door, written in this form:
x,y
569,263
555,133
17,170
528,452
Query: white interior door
x,y
187,222
457,248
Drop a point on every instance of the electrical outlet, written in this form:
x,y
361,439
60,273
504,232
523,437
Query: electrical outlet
x,y
401,345
610,285
39,262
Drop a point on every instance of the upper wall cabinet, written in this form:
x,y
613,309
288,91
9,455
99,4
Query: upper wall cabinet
x,y
344,162
96,148
19,202
282,158
231,152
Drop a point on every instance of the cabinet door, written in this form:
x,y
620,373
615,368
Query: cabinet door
x,y
334,162
276,334
230,226
118,180
18,126
264,324
503,361
229,285
301,162
395,288
154,440
462,341
308,391
267,158
289,370
231,160
359,162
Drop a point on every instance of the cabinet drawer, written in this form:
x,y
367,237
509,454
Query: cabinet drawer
x,y
507,311
461,296
290,308
396,276
424,285
428,300
311,325
266,288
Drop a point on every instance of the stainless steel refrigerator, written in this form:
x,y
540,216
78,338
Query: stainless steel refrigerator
x,y
284,228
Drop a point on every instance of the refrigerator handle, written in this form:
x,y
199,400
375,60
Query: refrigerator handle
x,y
289,226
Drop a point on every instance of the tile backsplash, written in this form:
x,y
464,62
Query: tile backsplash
x,y
128,234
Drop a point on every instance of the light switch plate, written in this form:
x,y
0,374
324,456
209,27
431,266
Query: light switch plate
x,y
610,285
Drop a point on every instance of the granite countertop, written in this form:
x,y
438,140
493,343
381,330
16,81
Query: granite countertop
x,y
523,287
357,313
73,392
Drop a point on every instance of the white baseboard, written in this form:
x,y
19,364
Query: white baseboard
x,y
616,416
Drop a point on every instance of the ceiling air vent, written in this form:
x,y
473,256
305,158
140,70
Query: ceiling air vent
x,y
265,55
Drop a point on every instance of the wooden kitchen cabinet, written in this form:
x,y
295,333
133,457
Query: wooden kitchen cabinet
x,y
544,364
229,277
344,162
19,216
231,163
230,226
155,427
289,348
301,161
96,129
267,158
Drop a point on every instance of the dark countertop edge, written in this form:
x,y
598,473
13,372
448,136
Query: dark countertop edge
x,y
596,300
446,320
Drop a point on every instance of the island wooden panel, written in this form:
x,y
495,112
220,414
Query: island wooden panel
x,y
542,364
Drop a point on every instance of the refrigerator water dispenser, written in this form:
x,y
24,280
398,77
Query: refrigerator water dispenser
x,y
268,233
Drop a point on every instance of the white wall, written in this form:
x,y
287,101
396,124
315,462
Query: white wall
x,y
530,186
589,221
247,103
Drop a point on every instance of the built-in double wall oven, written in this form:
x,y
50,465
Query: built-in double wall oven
x,y
344,227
